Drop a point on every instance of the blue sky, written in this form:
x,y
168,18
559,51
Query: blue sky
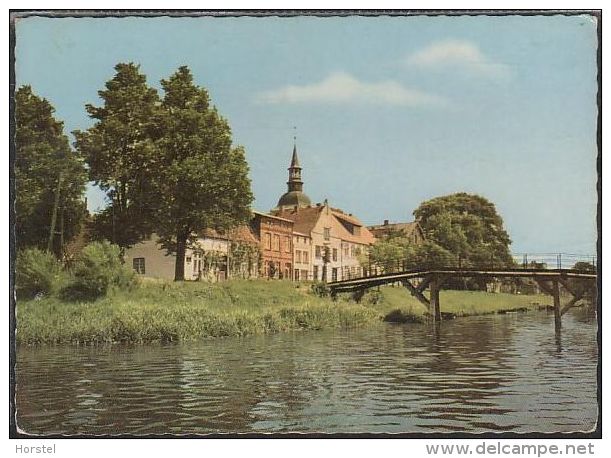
x,y
390,111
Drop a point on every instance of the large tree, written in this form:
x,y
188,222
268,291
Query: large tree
x,y
468,227
203,182
50,178
119,149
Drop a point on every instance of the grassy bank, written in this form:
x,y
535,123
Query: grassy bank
x,y
396,304
169,312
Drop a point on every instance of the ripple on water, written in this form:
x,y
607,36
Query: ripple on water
x,y
497,373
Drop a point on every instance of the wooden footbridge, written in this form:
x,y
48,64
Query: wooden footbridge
x,y
418,280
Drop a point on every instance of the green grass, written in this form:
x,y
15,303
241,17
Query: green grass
x,y
169,312
396,304
159,311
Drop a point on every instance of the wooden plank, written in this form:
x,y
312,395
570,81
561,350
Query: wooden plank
x,y
435,309
544,286
564,282
417,293
424,283
557,314
570,304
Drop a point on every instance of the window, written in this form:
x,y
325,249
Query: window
x,y
334,274
315,273
276,242
327,233
318,252
268,240
334,254
346,251
305,257
188,259
287,244
296,275
139,267
298,257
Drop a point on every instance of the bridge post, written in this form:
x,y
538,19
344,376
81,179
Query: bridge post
x,y
557,311
435,309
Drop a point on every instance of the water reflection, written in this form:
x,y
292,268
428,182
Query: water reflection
x,y
495,373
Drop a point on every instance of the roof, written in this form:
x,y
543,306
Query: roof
x,y
346,217
241,233
267,215
292,198
295,159
305,220
406,228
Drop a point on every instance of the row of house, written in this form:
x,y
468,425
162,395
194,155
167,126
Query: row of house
x,y
297,240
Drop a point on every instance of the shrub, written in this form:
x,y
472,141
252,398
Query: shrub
x,y
321,289
97,270
37,273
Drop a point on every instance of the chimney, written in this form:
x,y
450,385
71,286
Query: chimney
x,y
385,222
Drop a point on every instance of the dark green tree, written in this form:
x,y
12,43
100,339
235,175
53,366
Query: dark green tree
x,y
203,181
468,227
46,172
123,162
389,254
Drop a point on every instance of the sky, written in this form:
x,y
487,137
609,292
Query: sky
x,y
388,111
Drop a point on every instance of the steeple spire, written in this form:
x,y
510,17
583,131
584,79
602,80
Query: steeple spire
x,y
294,159
294,196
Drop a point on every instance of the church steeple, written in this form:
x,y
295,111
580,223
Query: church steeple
x,y
295,183
295,196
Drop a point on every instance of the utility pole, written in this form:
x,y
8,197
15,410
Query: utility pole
x,y
54,214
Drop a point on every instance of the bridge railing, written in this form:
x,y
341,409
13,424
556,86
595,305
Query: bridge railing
x,y
580,262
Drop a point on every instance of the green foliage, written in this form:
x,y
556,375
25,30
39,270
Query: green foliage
x,y
390,254
170,312
321,289
42,153
585,289
37,273
243,257
98,269
430,255
119,150
203,182
467,227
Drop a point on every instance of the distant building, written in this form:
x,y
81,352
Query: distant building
x,y
412,231
209,258
328,243
275,235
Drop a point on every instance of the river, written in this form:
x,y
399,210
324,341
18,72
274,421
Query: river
x,y
507,373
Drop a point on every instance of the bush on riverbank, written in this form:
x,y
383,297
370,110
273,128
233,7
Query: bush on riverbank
x,y
37,273
159,311
98,269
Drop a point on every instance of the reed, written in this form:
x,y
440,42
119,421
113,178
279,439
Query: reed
x,y
160,311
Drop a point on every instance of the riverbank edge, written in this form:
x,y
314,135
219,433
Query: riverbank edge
x,y
178,312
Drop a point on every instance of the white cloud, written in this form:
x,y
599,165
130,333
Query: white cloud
x,y
341,88
458,54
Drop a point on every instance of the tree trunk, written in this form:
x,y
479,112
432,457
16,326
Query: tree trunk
x,y
181,247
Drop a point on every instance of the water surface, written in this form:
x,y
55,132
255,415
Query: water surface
x,y
478,374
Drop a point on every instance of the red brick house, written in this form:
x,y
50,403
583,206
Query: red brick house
x,y
275,235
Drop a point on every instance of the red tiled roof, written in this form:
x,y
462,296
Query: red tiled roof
x,y
304,219
241,233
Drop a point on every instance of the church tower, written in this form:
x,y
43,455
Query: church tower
x,y
295,196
